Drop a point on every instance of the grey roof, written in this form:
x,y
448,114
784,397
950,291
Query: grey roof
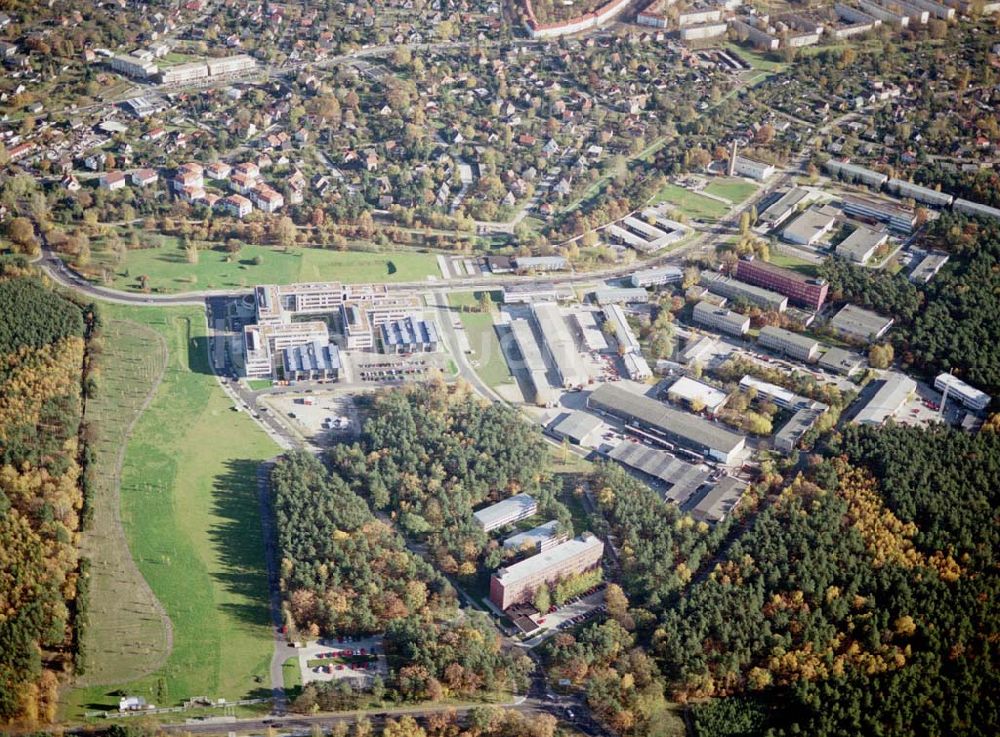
x,y
770,333
798,425
840,360
719,500
550,559
313,356
858,322
887,400
783,205
410,330
735,289
658,415
706,313
663,274
512,506
682,478
609,295
577,425
860,242
929,266
534,536
807,226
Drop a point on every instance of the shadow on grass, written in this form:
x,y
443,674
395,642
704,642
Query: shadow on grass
x,y
239,539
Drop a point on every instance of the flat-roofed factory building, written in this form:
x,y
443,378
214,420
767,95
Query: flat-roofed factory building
x,y
666,425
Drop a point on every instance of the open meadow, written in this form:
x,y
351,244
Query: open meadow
x,y
190,513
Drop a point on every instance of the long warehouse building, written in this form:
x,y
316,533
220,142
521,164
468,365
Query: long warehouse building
x,y
668,425
558,344
534,364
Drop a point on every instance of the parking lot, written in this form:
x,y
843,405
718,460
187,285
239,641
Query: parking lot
x,y
320,417
358,660
576,611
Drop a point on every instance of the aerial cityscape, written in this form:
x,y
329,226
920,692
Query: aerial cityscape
x,y
500,368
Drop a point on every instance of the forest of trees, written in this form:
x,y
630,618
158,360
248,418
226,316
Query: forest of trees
x,y
888,294
342,569
850,605
41,367
432,453
959,328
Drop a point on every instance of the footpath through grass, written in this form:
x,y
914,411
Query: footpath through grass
x,y
169,271
487,357
127,635
190,512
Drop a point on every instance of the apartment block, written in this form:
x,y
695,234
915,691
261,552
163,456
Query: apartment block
x,y
518,583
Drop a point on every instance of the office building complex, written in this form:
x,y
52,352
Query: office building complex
x,y
800,289
506,512
721,319
518,583
538,539
789,343
969,396
411,334
743,292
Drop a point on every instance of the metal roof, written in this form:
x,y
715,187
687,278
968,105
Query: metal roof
x,y
552,558
658,416
682,478
513,506
720,500
887,400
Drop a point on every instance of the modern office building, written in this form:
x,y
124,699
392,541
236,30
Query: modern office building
x,y
411,334
788,343
969,396
861,325
721,319
506,512
537,539
742,292
319,359
231,64
558,345
887,400
667,426
263,344
518,583
800,289
182,73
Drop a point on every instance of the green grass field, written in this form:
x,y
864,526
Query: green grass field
x,y
791,261
190,513
490,363
734,190
756,60
691,203
127,634
169,271
292,673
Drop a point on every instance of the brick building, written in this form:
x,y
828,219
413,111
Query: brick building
x,y
799,288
